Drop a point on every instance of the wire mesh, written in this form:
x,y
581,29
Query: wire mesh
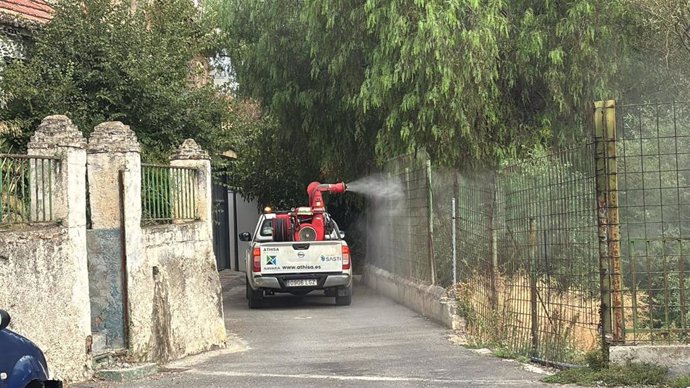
x,y
548,280
168,194
27,189
527,248
399,226
654,178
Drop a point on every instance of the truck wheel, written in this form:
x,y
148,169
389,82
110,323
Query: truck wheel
x,y
344,300
254,298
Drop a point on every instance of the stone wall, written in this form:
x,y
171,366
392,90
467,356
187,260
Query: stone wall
x,y
43,272
42,284
68,298
185,278
173,290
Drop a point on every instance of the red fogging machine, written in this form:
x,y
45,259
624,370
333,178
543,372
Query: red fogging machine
x,y
307,223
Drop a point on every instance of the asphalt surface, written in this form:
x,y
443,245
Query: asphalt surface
x,y
310,342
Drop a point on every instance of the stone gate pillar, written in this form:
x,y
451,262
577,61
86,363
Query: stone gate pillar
x,y
114,238
58,137
68,349
192,156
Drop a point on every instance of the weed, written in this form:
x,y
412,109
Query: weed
x,y
680,382
629,374
512,355
596,360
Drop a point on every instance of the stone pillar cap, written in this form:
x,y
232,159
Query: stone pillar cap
x,y
113,136
57,130
190,150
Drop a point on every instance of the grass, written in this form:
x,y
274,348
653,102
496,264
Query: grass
x,y
680,382
631,374
627,375
502,352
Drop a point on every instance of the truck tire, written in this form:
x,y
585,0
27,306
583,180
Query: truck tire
x,y
254,298
281,230
344,300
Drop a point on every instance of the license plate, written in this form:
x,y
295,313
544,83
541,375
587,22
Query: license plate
x,y
300,282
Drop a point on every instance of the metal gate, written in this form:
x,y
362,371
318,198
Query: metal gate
x,y
221,225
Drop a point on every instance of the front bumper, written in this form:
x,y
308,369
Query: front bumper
x,y
323,281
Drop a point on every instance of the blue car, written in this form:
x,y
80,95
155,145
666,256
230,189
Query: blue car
x,y
22,363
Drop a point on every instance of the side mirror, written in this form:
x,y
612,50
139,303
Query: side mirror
x,y
4,319
342,235
246,236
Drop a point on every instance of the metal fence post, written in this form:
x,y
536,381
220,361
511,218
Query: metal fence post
x,y
602,221
455,255
410,245
612,326
531,267
614,235
432,259
493,275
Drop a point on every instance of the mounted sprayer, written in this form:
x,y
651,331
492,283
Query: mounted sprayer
x,y
307,223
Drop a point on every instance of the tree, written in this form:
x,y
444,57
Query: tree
x,y
314,121
468,81
100,60
654,67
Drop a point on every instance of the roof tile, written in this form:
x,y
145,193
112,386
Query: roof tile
x,y
35,10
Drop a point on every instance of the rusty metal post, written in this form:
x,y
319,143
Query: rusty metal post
x,y
608,222
531,267
614,235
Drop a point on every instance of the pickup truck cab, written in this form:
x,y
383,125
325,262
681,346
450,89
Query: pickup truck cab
x,y
296,267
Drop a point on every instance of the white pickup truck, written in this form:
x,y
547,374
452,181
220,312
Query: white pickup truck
x,y
296,267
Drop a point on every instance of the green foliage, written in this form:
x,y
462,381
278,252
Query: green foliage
x,y
351,83
630,374
313,126
100,60
270,168
466,80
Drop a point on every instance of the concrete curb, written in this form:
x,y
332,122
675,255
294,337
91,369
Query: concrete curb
x,y
675,357
430,301
131,373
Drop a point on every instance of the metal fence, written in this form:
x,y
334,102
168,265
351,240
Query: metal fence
x,y
399,227
562,253
27,189
168,194
527,253
653,158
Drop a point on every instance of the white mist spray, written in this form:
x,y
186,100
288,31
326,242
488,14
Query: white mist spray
x,y
378,187
386,205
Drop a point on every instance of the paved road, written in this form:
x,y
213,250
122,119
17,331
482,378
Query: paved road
x,y
310,342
